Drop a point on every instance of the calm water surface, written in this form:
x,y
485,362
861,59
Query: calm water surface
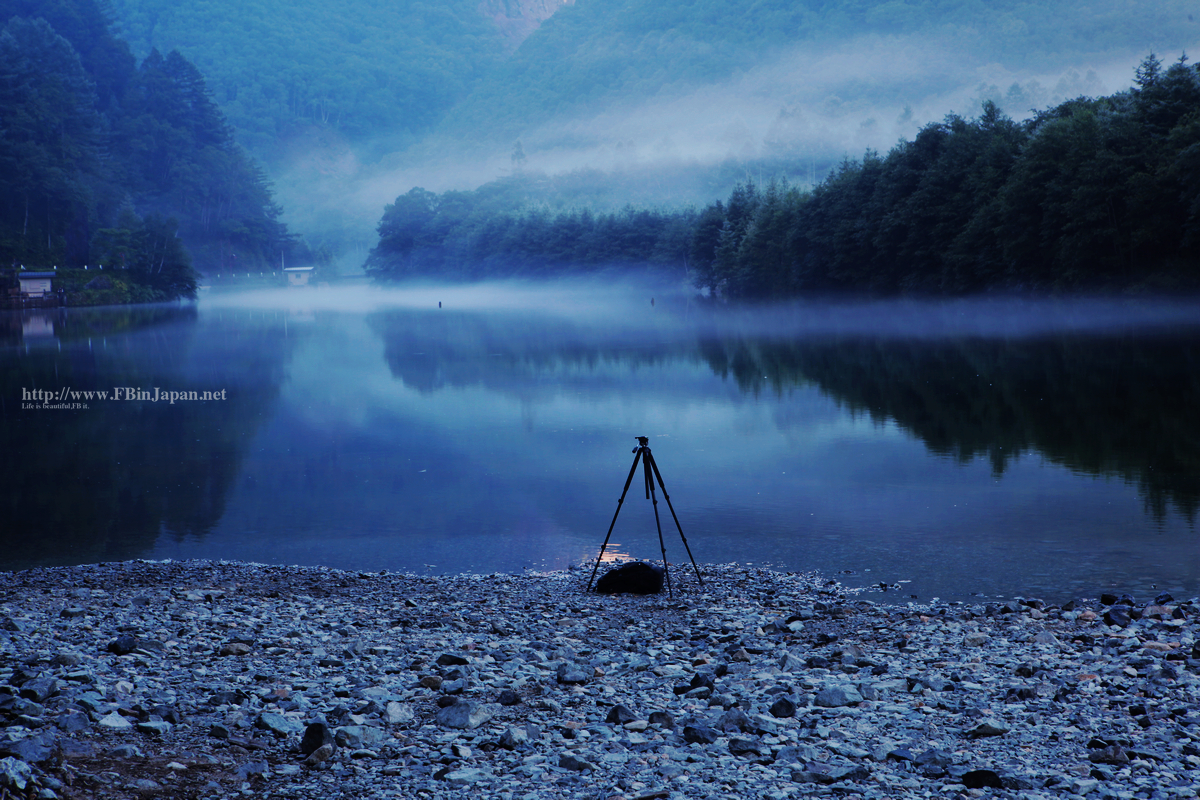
x,y
958,449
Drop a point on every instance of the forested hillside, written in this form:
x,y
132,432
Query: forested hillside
x,y
105,160
370,69
1091,194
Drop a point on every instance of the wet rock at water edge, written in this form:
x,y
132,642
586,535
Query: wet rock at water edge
x,y
635,578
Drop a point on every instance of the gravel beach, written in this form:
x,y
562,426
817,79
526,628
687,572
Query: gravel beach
x,y
212,679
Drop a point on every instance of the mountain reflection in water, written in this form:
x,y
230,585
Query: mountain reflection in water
x,y
998,447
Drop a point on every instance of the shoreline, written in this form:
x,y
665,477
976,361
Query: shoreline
x,y
200,679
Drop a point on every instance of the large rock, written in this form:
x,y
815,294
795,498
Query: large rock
x,y
14,774
315,736
358,737
464,715
838,696
123,645
636,578
569,673
278,724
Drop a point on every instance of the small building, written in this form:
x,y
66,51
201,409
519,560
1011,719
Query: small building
x,y
35,284
298,276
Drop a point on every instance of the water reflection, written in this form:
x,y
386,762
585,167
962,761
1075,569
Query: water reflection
x,y
89,479
1111,406
1006,452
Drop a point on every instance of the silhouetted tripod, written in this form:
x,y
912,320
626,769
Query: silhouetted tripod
x,y
642,452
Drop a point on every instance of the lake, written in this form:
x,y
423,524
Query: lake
x,y
954,449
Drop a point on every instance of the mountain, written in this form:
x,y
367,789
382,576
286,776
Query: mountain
x,y
378,72
599,55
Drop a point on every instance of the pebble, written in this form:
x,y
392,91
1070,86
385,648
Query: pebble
x,y
219,679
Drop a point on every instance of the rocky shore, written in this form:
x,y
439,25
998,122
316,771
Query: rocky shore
x,y
214,680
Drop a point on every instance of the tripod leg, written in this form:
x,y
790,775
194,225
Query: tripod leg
x,y
628,481
667,497
661,545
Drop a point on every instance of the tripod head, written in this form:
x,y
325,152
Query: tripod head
x,y
643,441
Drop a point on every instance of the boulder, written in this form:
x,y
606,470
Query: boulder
x,y
635,578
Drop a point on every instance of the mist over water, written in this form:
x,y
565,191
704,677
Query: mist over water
x,y
999,447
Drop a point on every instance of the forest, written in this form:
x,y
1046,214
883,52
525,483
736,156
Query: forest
x,y
104,160
1091,194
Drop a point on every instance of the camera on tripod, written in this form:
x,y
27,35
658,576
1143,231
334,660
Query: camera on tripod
x,y
650,473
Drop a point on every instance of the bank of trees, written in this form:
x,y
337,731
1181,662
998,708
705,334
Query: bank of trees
x,y
1094,193
104,159
1097,193
493,232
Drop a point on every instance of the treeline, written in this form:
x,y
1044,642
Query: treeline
x,y
1091,194
103,160
1094,193
491,232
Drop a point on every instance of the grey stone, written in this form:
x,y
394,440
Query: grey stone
x,y
464,715
838,696
123,644
315,735
796,754
513,737
39,689
569,673
278,724
619,715
744,747
790,662
988,727
398,713
573,762
322,753
466,776
126,752
358,737
14,773
735,720
154,727
35,749
114,722
783,707
700,734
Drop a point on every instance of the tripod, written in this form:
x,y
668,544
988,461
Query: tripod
x,y
642,453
